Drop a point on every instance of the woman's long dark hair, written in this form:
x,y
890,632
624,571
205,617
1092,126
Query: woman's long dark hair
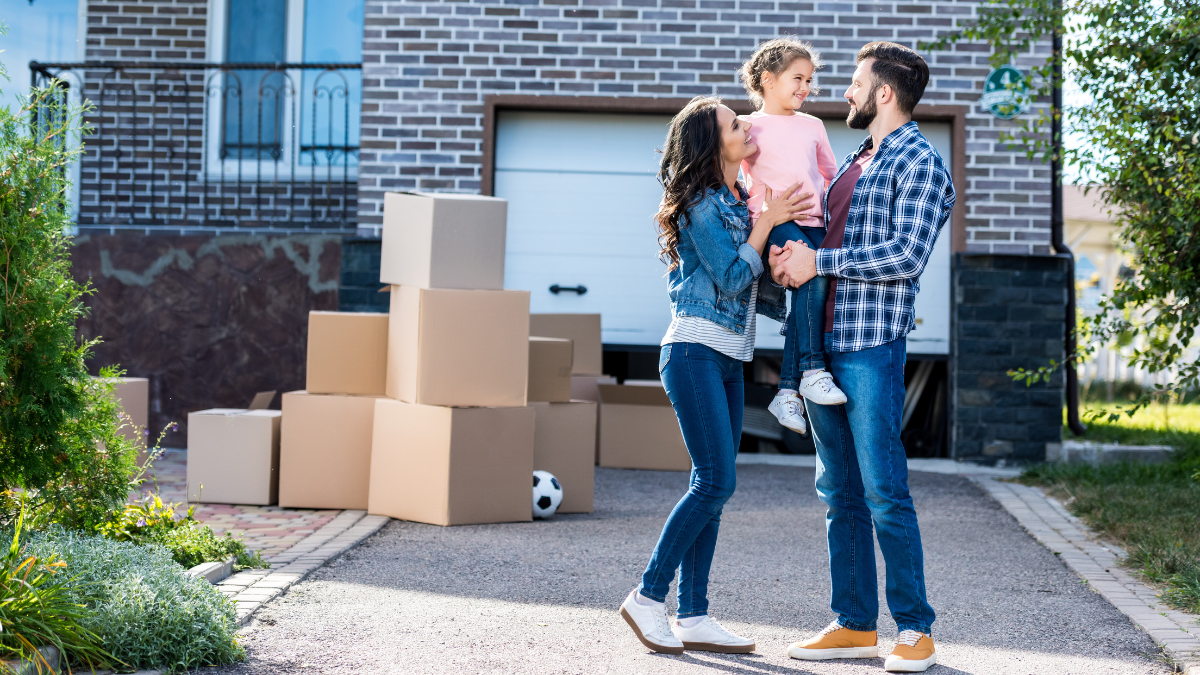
x,y
691,162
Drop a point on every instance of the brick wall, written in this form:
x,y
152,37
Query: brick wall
x,y
160,30
428,65
1008,313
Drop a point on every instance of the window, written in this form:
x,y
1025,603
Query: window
x,y
255,99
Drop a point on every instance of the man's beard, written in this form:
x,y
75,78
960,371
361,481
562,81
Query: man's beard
x,y
861,117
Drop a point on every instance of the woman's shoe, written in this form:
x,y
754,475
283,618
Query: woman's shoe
x,y
709,636
787,409
820,389
650,624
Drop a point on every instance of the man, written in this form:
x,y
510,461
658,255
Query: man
x,y
884,210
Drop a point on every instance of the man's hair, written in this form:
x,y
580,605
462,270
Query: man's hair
x,y
899,67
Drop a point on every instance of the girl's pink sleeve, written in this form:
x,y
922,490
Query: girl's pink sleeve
x,y
826,161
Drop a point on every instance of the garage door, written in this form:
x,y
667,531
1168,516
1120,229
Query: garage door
x,y
582,195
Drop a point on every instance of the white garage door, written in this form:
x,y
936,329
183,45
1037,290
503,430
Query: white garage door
x,y
582,195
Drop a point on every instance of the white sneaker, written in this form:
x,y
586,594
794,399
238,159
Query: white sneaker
x,y
786,409
710,636
650,624
820,389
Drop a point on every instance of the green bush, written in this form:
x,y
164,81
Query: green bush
x,y
144,607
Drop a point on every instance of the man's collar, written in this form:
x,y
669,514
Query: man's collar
x,y
901,134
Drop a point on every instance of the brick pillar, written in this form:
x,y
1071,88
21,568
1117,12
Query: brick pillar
x,y
1008,313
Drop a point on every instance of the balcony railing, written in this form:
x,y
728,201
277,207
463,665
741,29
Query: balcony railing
x,y
215,146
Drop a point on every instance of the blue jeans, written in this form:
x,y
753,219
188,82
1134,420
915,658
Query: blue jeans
x,y
862,476
806,321
707,392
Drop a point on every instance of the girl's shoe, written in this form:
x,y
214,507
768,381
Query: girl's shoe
x,y
650,624
787,409
913,653
710,636
820,389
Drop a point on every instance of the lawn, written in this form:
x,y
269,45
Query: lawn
x,y
1153,511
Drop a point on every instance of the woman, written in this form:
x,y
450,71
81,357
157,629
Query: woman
x,y
715,262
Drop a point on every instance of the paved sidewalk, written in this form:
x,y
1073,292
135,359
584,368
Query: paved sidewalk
x,y
542,596
267,529
1098,563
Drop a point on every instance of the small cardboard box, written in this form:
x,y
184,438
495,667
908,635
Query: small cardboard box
x,y
443,240
587,387
581,329
451,466
564,443
233,455
325,450
458,348
133,395
639,430
347,353
549,369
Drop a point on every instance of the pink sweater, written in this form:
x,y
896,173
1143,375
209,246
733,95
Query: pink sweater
x,y
791,149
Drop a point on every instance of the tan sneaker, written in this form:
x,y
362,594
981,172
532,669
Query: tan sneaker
x,y
913,653
837,642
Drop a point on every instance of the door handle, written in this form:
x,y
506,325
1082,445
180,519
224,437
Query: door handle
x,y
580,289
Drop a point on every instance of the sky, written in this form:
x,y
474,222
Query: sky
x,y
44,30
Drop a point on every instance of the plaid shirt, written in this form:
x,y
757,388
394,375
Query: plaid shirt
x,y
899,205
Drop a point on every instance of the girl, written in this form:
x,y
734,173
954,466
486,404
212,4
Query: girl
x,y
714,259
792,148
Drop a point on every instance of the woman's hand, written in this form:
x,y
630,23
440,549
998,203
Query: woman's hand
x,y
788,206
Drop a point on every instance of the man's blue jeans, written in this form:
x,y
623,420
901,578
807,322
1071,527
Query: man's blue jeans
x,y
862,476
805,323
707,391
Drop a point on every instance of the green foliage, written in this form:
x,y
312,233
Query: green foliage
x,y
59,439
37,610
144,607
1138,64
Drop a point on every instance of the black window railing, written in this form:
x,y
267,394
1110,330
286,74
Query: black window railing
x,y
215,146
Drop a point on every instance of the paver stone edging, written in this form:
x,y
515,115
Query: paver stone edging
x,y
250,589
1098,563
214,572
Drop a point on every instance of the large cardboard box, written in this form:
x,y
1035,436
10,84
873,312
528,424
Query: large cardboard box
x,y
443,240
458,348
549,369
564,443
451,466
347,353
233,456
325,450
639,430
581,329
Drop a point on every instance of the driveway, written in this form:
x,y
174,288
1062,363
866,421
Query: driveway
x,y
541,597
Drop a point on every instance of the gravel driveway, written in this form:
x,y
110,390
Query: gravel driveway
x,y
541,597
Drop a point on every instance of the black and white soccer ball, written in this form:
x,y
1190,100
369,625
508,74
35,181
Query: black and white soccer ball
x,y
547,494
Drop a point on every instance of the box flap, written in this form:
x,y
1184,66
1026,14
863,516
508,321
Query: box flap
x,y
262,400
617,394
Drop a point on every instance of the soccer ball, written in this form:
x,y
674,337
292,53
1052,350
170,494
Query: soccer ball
x,y
547,494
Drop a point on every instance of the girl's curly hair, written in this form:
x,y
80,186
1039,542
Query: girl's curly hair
x,y
691,162
775,56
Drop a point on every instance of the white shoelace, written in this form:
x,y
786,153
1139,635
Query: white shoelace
x,y
825,382
909,637
833,625
792,405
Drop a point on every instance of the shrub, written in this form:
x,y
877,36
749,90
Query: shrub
x,y
144,607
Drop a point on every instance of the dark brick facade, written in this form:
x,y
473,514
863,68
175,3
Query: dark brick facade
x,y
1009,313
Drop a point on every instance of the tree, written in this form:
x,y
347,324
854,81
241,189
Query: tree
x,y
60,447
1138,63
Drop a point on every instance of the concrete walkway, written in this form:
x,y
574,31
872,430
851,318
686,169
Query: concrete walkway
x,y
541,597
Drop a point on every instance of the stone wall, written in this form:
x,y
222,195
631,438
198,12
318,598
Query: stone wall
x,y
209,320
1008,313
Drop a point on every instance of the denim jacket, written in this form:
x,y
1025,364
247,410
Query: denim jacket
x,y
717,266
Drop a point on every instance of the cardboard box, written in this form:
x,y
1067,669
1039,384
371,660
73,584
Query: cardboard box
x,y
347,353
458,348
443,240
325,450
639,430
133,395
564,443
451,466
581,329
587,387
233,456
549,369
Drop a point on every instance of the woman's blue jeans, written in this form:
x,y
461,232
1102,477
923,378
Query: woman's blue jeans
x,y
805,325
862,476
706,390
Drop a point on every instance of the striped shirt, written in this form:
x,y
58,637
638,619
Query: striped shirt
x,y
702,331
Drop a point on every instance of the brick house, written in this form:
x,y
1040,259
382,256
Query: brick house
x,y
219,203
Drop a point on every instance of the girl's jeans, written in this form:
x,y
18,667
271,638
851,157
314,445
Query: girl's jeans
x,y
805,326
706,390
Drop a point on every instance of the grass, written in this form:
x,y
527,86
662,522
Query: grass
x,y
1150,510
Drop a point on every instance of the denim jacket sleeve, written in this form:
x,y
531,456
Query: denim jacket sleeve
x,y
731,266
